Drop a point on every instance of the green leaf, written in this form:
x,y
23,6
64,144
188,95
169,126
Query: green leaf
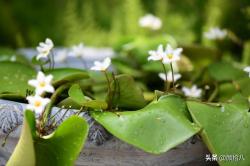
x,y
14,78
64,75
158,127
127,94
225,129
227,90
24,153
61,148
75,93
11,55
224,71
201,56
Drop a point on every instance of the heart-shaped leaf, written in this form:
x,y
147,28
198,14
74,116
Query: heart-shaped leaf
x,y
224,71
225,128
75,93
127,94
24,153
12,56
77,96
14,78
158,127
61,148
64,75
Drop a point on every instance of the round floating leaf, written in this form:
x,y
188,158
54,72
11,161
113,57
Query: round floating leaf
x,y
14,78
11,55
64,75
127,94
24,153
225,128
224,71
158,127
61,148
77,97
75,93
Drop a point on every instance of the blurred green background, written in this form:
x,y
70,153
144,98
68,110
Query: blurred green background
x,y
24,23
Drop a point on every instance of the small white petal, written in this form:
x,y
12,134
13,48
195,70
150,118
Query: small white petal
x,y
162,76
192,92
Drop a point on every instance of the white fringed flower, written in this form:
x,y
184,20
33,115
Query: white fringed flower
x,y
247,69
171,55
215,33
150,21
42,83
37,103
44,48
156,55
77,51
101,66
61,56
192,92
177,76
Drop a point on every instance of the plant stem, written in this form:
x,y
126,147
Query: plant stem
x,y
109,88
47,111
166,87
52,59
214,94
172,72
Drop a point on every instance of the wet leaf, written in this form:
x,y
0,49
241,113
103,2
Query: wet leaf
x,y
158,127
61,148
225,128
64,75
14,78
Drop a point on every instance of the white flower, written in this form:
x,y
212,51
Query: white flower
x,y
156,55
44,48
61,55
171,55
37,103
215,33
150,21
247,69
42,83
192,92
101,66
177,76
77,51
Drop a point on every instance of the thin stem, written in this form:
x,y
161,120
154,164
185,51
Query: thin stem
x,y
48,109
214,93
166,86
109,89
52,59
172,72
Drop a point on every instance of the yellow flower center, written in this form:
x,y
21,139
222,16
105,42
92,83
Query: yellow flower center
x,y
42,84
37,103
170,56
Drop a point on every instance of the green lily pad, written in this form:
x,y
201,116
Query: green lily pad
x,y
224,71
77,96
64,75
24,153
227,90
127,94
225,128
61,148
14,78
75,93
12,56
158,127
